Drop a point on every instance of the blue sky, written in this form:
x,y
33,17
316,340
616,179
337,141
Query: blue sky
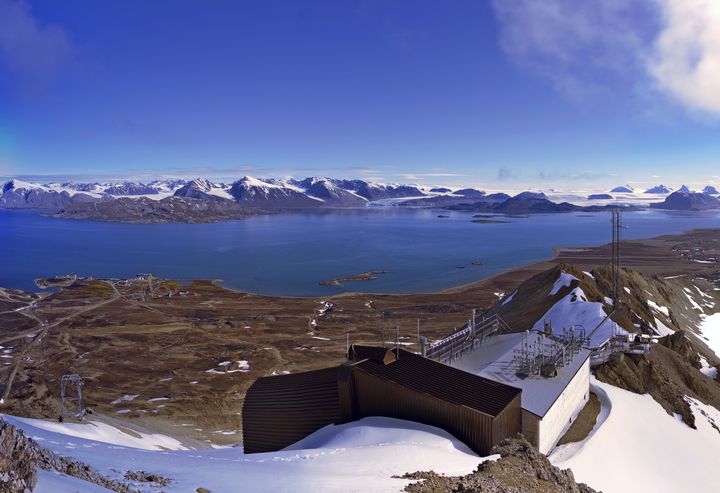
x,y
499,94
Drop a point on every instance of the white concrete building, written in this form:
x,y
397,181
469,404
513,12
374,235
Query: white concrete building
x,y
549,404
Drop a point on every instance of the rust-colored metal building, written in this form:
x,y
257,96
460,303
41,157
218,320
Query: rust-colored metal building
x,y
280,410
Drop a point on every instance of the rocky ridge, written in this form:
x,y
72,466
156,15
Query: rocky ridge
x,y
20,458
520,469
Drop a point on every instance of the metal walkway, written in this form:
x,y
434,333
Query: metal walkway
x,y
465,339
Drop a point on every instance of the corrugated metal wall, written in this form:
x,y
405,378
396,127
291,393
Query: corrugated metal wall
x,y
375,396
280,410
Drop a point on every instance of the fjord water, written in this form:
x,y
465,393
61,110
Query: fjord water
x,y
289,254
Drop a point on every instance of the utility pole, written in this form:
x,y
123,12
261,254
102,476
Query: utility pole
x,y
472,332
418,331
615,262
397,341
382,328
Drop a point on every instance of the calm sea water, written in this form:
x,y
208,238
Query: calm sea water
x,y
289,254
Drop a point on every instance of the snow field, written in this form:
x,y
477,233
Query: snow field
x,y
636,446
360,456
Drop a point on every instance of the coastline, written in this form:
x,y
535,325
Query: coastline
x,y
583,254
190,329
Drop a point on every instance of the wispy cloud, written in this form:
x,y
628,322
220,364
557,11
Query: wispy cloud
x,y
505,174
574,175
686,58
30,52
423,176
581,47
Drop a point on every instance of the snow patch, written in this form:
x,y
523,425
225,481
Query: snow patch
x,y
562,282
710,330
662,309
125,398
509,298
574,310
706,369
661,329
687,294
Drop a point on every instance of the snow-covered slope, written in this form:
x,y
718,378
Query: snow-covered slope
x,y
710,330
574,310
100,432
563,280
636,446
203,189
359,456
18,194
254,192
330,192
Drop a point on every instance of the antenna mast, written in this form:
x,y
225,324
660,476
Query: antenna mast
x,y
615,263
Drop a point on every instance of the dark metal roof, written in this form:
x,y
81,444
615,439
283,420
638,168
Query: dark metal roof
x,y
441,381
378,354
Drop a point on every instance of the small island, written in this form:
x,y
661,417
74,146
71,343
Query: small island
x,y
364,276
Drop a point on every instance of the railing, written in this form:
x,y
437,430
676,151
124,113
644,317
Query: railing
x,y
618,344
466,338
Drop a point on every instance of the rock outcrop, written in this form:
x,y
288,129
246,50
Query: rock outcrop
x,y
18,472
520,469
20,458
668,372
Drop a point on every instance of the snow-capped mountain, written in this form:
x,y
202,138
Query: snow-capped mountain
x,y
131,188
377,191
274,194
659,190
330,192
17,194
470,193
688,201
263,194
203,189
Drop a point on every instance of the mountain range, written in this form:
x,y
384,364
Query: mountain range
x,y
270,194
688,201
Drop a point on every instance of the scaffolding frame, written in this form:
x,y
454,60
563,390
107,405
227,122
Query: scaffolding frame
x,y
68,399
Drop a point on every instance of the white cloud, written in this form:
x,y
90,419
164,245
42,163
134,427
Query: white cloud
x,y
639,48
686,59
28,50
582,47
